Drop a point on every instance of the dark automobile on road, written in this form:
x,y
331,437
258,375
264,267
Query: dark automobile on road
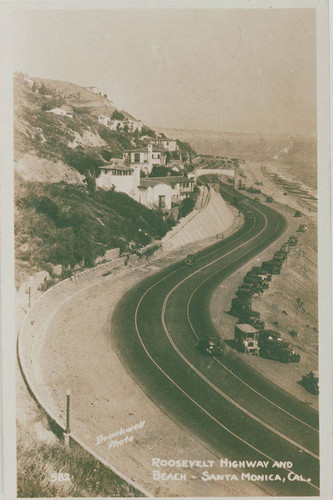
x,y
190,259
279,350
249,215
210,346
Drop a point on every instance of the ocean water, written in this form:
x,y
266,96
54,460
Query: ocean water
x,y
293,157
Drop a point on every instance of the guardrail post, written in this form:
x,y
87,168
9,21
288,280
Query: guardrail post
x,y
68,428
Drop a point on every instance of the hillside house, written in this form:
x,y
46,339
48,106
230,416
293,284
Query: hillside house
x,y
63,111
181,187
146,157
122,178
134,125
155,194
168,144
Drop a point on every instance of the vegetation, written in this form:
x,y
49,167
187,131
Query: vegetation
x,y
37,461
72,224
60,131
161,171
64,224
117,115
148,131
115,138
186,206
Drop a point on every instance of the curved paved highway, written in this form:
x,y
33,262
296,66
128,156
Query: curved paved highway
x,y
237,412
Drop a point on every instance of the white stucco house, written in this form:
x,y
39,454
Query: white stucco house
x,y
168,144
161,192
121,177
181,187
146,157
132,125
125,179
155,194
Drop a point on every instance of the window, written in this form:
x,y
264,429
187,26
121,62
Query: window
x,y
137,157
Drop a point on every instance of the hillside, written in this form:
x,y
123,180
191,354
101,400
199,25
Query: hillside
x,y
79,141
64,224
60,217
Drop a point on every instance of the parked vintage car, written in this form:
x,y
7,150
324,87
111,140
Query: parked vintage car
x,y
246,338
293,240
279,350
302,228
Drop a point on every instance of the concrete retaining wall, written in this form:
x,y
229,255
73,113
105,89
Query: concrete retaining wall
x,y
30,338
215,218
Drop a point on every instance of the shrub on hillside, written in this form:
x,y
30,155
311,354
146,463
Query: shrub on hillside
x,y
115,138
81,110
161,171
186,207
117,115
107,155
81,160
148,131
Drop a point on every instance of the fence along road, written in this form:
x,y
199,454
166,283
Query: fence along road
x,y
153,330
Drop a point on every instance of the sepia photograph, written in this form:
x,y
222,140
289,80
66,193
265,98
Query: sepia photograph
x,y
169,185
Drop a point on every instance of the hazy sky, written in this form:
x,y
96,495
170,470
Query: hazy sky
x,y
228,70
